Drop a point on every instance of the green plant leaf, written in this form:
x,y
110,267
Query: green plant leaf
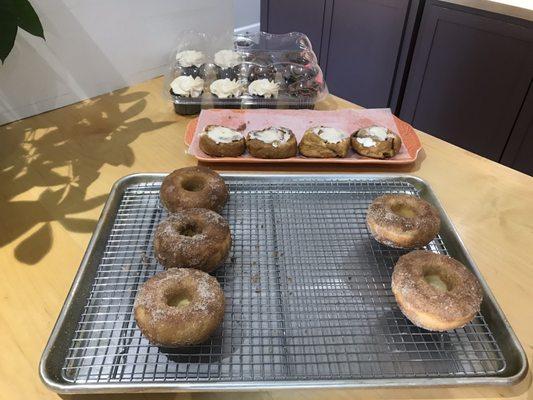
x,y
8,28
14,14
27,18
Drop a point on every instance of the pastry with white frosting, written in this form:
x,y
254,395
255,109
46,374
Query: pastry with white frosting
x,y
272,142
263,88
324,142
226,88
376,142
220,141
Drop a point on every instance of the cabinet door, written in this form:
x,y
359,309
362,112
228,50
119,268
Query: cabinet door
x,y
469,76
518,153
306,16
364,49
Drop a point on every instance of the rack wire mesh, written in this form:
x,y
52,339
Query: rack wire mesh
x,y
307,297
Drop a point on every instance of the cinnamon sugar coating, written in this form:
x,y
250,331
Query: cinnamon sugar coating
x,y
171,325
193,238
194,187
427,306
402,221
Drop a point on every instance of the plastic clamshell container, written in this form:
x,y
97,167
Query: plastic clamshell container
x,y
287,60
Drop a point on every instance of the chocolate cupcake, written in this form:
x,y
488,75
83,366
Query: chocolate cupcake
x,y
306,92
227,93
292,73
260,58
226,61
189,61
243,71
263,88
299,57
262,72
185,91
209,71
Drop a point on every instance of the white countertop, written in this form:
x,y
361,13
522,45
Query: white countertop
x,y
513,8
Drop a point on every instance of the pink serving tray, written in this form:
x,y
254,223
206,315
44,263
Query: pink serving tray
x,y
298,121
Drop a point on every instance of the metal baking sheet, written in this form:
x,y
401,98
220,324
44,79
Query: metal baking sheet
x,y
308,299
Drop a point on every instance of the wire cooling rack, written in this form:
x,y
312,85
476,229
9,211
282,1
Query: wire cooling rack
x,y
307,297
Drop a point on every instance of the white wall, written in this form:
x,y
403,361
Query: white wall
x,y
96,46
247,15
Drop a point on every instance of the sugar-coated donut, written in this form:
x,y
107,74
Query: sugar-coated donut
x,y
434,291
194,187
193,238
179,307
402,221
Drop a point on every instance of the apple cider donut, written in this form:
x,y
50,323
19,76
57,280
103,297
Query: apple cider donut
x,y
193,187
402,221
434,291
179,307
194,238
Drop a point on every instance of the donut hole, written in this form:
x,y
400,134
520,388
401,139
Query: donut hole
x,y
178,299
190,229
193,184
403,210
437,281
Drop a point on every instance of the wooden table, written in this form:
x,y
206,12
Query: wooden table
x,y
57,170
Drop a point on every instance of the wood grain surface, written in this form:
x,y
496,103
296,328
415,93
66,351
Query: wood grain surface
x,y
57,169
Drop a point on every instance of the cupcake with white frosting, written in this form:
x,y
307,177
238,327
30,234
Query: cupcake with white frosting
x,y
220,141
263,88
186,87
263,94
227,92
189,61
227,62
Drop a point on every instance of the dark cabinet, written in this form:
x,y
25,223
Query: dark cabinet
x,y
282,16
362,45
462,74
518,153
469,77
365,43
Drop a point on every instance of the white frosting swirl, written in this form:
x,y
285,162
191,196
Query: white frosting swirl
x,y
330,135
366,141
227,58
225,88
221,134
188,58
263,87
271,135
187,86
378,132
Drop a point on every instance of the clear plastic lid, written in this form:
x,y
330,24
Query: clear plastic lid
x,y
262,70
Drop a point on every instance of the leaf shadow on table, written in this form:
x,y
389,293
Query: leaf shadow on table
x,y
64,153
